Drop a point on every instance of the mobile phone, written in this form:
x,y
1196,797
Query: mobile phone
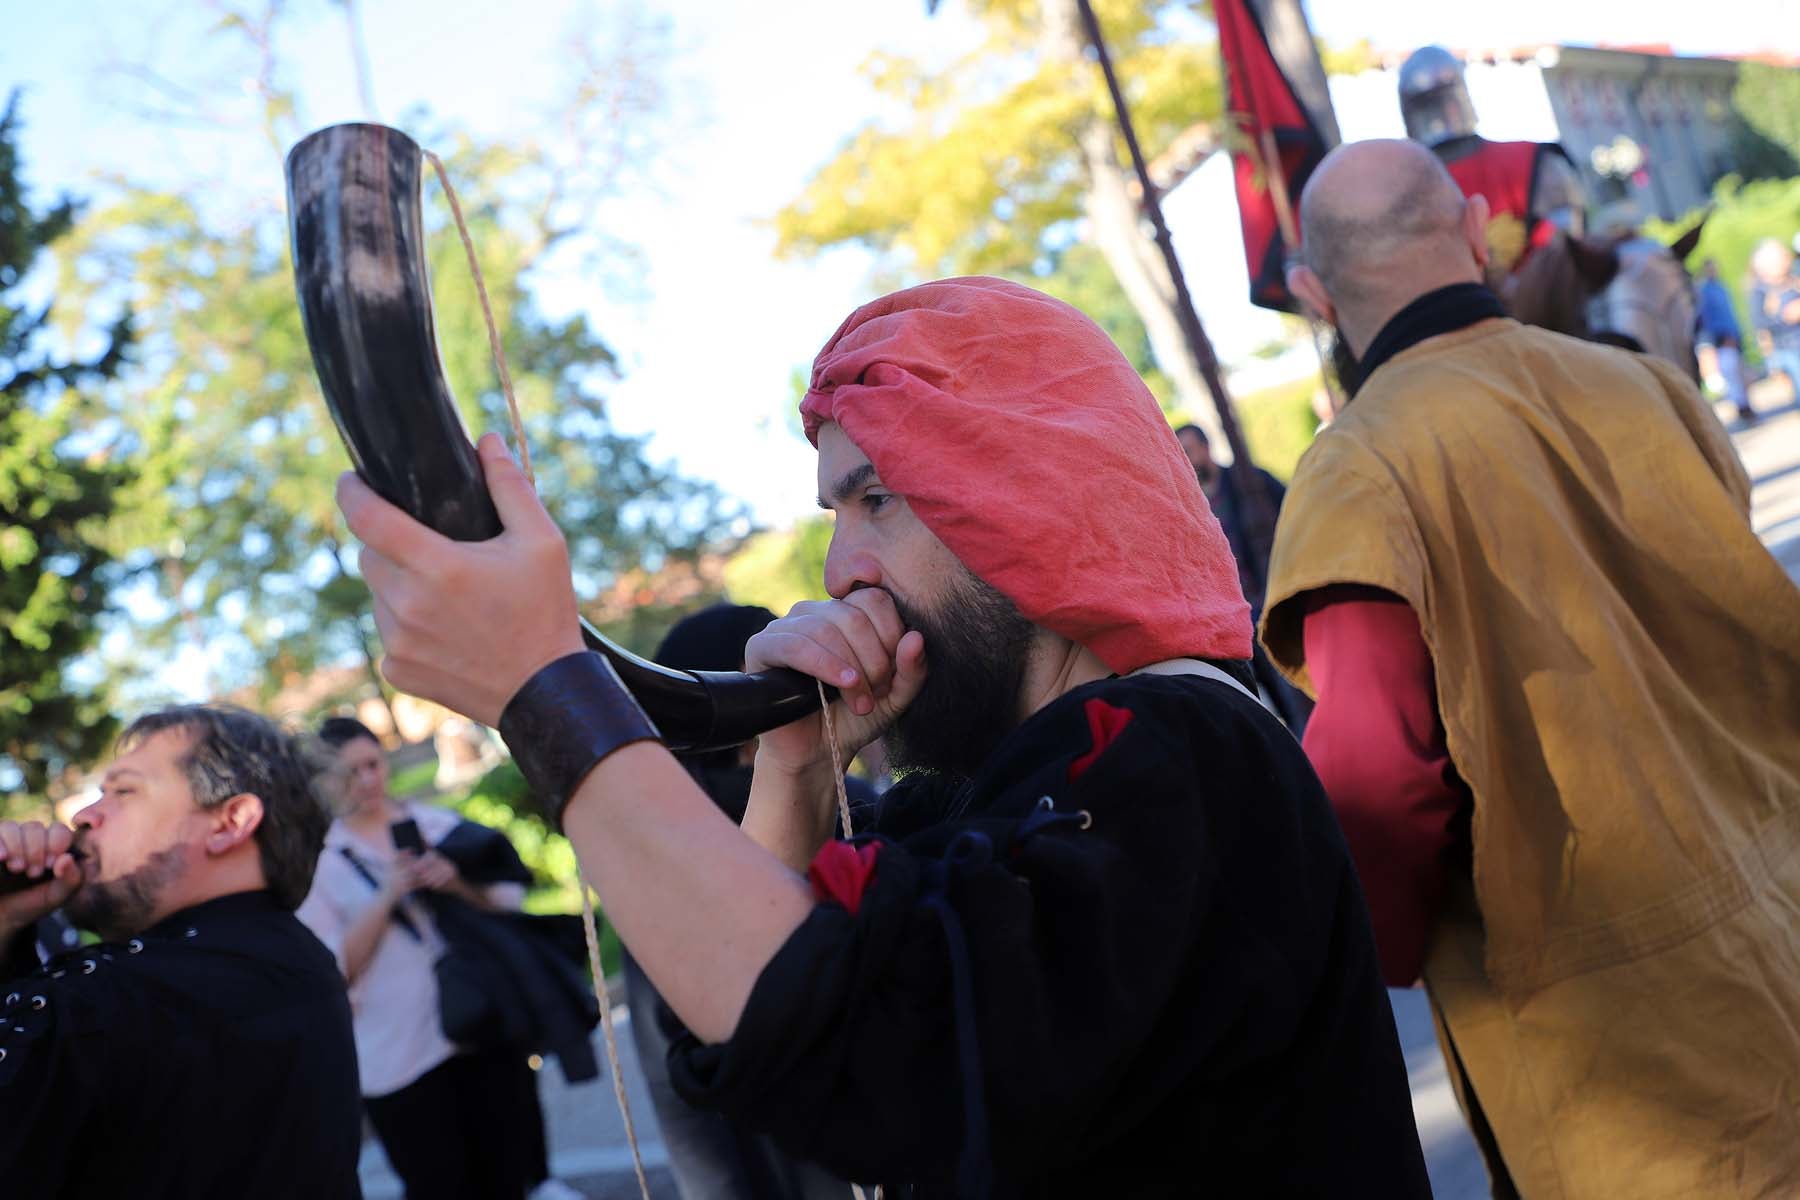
x,y
406,835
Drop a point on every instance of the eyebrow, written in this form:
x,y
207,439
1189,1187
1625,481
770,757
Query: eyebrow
x,y
120,772
856,477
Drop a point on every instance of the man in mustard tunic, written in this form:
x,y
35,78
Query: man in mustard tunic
x,y
1559,710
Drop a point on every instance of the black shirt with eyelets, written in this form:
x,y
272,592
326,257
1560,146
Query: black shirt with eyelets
x,y
210,1056
1129,959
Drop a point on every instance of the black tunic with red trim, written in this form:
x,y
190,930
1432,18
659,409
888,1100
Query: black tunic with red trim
x,y
1130,958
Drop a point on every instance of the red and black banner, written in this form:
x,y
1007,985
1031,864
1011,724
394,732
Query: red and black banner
x,y
1265,103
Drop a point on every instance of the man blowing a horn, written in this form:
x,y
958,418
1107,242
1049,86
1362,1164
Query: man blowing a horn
x,y
203,1049
1104,938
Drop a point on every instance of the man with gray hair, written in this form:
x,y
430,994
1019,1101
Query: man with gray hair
x,y
203,1049
1558,680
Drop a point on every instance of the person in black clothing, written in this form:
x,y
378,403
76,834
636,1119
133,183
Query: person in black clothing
x,y
1224,491
203,1049
1224,495
1103,938
713,1158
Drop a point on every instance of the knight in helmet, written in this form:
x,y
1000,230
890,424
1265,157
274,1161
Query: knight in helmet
x,y
1532,188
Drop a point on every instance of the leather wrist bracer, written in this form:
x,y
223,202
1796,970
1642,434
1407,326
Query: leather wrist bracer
x,y
567,718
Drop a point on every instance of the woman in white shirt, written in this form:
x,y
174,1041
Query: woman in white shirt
x,y
455,1121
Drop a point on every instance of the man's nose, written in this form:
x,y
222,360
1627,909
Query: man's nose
x,y
848,567
89,817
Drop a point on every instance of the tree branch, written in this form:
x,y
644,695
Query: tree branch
x,y
1181,158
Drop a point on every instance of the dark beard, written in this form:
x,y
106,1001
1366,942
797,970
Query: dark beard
x,y
121,907
976,643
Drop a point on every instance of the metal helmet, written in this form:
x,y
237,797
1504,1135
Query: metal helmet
x,y
1434,98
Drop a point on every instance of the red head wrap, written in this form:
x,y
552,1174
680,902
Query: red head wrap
x,y
1026,442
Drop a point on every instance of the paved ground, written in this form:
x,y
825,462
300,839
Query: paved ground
x,y
587,1134
587,1139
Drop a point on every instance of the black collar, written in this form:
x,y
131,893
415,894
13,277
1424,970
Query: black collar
x,y
260,902
1444,311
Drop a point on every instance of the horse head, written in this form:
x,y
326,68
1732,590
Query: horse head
x,y
1651,299
1626,290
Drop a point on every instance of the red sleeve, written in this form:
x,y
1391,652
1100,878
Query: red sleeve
x,y
1378,745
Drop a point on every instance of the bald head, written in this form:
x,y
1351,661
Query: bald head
x,y
1382,223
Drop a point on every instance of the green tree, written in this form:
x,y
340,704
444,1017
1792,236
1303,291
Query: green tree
x,y
254,560
778,568
1767,102
59,485
1003,157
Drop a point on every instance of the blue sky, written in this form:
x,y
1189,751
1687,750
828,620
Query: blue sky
x,y
761,94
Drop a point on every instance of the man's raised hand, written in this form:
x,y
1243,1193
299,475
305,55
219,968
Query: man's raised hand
x,y
467,623
41,852
859,646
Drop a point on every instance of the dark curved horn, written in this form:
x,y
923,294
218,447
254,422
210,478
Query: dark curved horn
x,y
365,300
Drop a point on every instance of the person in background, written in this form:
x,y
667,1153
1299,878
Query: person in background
x,y
1558,683
456,1123
1719,330
1775,310
1223,488
202,1050
712,1157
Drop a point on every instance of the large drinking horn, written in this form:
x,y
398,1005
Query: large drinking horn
x,y
365,300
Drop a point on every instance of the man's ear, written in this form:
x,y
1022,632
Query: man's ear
x,y
1475,222
234,822
1309,289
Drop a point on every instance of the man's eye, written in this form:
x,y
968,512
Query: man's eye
x,y
875,501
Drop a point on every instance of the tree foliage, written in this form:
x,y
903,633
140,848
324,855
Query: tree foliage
x,y
778,568
979,169
254,562
1002,161
1767,101
60,484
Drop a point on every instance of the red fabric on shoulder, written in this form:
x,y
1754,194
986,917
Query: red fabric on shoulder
x,y
1378,744
1105,723
840,873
